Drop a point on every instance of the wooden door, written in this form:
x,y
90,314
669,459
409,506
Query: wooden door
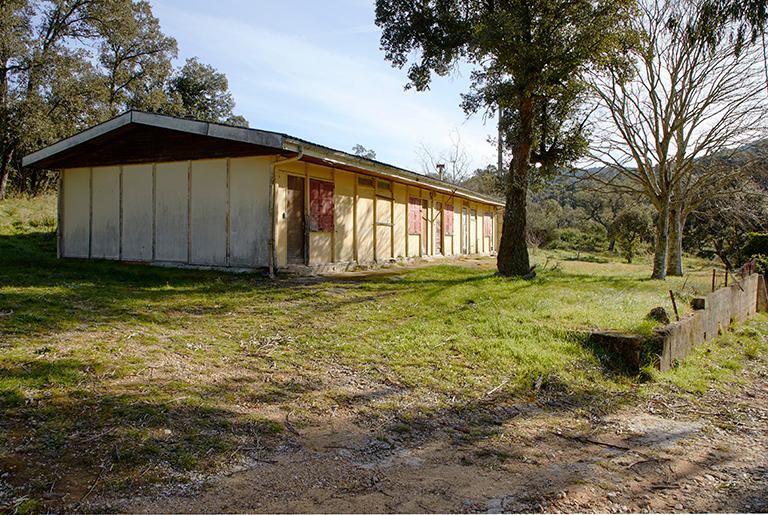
x,y
464,231
294,214
472,231
437,223
424,227
383,228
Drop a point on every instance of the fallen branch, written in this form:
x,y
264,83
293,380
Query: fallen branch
x,y
493,390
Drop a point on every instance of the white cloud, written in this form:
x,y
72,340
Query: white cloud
x,y
287,82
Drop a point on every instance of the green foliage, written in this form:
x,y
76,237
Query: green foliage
x,y
543,222
761,264
486,180
199,91
756,247
632,228
134,54
723,223
591,239
529,58
756,243
69,64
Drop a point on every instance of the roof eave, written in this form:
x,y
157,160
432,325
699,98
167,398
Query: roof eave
x,y
214,130
77,139
366,165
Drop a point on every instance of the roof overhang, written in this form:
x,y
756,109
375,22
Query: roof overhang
x,y
139,137
344,161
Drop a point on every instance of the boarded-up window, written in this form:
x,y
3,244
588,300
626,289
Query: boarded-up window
x,y
414,215
320,206
487,224
365,182
449,219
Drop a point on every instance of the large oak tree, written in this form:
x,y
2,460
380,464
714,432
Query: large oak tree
x,y
68,64
528,59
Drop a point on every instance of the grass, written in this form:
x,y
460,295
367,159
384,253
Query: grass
x,y
157,372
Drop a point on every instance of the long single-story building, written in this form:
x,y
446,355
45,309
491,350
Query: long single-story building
x,y
152,188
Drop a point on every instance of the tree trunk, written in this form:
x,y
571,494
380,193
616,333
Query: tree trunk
x,y
513,258
5,172
611,245
675,252
661,242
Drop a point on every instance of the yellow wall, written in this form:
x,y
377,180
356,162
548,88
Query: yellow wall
x,y
364,224
400,225
343,213
384,212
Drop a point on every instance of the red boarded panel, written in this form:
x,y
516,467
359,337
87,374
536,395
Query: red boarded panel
x,y
320,206
414,215
488,225
449,219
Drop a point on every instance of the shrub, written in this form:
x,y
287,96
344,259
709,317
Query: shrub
x,y
761,264
756,244
632,227
593,239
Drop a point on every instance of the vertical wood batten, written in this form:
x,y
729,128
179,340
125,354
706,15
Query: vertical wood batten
x,y
375,219
333,232
154,208
407,213
306,215
392,207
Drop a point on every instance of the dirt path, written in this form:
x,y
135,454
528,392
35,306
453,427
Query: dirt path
x,y
665,454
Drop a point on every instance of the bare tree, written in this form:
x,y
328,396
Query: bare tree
x,y
723,223
454,160
360,150
677,99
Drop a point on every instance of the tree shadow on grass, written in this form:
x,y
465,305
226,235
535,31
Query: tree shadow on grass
x,y
44,294
86,435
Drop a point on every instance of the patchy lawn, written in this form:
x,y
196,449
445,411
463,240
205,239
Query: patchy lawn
x,y
116,377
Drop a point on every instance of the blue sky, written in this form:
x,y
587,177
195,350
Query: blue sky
x,y
313,69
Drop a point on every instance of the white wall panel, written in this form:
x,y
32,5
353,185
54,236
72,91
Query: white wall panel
x,y
208,215
76,206
105,240
137,212
171,194
249,191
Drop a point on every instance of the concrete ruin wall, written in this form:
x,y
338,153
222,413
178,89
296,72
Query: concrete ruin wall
x,y
713,314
